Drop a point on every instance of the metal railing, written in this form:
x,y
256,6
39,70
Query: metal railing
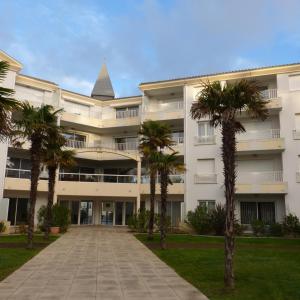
x,y
83,177
205,178
205,139
259,177
17,173
123,114
76,144
165,107
178,140
269,94
174,178
126,146
259,134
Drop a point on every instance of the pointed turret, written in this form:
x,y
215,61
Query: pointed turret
x,y
103,89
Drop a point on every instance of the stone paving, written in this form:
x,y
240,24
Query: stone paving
x,y
97,263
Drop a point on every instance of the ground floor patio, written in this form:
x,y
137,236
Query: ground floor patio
x,y
97,262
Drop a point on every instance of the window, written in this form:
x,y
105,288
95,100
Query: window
x,y
17,211
264,211
75,140
294,82
208,205
77,108
126,143
206,133
127,112
18,167
205,171
178,137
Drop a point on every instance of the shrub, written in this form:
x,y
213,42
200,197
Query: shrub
x,y
61,217
258,227
2,227
41,217
276,229
139,222
217,219
157,222
291,225
239,228
199,220
23,228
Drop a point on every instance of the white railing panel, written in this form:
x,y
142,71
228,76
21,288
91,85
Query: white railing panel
x,y
269,94
259,135
127,114
165,107
259,177
178,140
174,178
205,178
205,139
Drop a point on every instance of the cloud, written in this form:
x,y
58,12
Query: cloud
x,y
67,41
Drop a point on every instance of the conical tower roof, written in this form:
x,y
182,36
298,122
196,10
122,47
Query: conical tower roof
x,y
103,89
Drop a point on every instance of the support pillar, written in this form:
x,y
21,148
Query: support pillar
x,y
139,174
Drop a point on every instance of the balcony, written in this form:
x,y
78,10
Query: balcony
x,y
270,182
296,134
204,140
202,178
270,95
176,188
165,111
97,177
122,118
260,140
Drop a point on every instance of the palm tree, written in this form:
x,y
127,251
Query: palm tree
x,y
7,105
166,164
54,156
34,125
223,105
154,137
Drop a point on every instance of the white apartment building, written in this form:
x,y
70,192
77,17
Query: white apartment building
x,y
110,182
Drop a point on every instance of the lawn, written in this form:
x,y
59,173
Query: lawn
x,y
265,268
13,253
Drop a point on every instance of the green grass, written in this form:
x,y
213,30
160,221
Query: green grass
x,y
265,268
13,258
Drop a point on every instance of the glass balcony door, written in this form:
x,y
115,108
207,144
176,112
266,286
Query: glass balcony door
x,y
86,212
107,213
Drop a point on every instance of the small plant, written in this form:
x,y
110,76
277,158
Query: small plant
x,y
61,217
41,218
217,219
291,225
23,228
276,229
139,222
258,227
199,220
239,228
2,227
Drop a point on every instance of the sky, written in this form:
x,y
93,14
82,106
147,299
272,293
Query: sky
x,y
66,41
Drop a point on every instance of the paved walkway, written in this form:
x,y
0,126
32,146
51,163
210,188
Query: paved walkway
x,y
97,263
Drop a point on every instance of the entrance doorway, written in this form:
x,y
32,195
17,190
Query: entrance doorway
x,y
86,212
107,213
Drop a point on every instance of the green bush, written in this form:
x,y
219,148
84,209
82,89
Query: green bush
x,y
157,222
258,227
61,217
276,229
41,217
239,228
199,219
217,219
139,222
291,225
2,227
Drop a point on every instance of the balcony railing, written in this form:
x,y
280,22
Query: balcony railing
x,y
296,134
165,107
205,139
76,144
259,177
259,135
269,94
205,178
178,140
83,177
88,114
128,146
127,114
18,173
174,178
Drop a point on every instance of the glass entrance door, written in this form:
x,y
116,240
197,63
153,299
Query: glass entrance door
x,y
107,213
86,212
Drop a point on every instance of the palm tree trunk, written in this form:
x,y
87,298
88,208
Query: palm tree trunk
x,y
35,156
51,186
228,154
163,210
152,201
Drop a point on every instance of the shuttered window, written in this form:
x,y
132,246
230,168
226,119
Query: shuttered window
x,y
264,211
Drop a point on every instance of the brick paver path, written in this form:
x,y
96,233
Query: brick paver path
x,y
97,263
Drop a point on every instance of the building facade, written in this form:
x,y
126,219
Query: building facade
x,y
110,183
